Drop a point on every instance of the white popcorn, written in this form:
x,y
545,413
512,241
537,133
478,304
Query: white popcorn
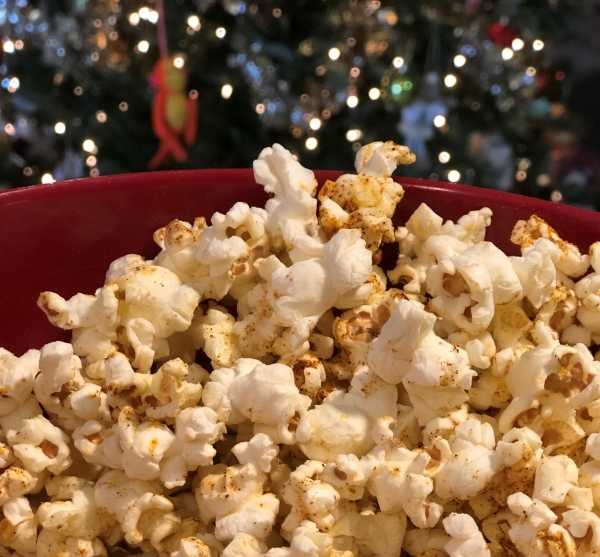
x,y
144,445
391,352
473,462
16,378
466,540
41,446
466,399
535,532
196,430
18,529
268,395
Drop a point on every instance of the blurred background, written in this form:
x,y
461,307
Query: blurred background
x,y
498,94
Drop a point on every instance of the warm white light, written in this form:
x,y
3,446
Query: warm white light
x,y
144,12
444,157
398,62
314,124
353,135
517,44
439,121
8,47
507,53
48,178
89,146
538,45
530,71
311,143
19,44
60,128
13,84
450,80
374,93
226,91
352,101
143,46
334,53
178,62
134,18
453,175
194,22
101,116
153,16
221,32
460,60
9,129
91,161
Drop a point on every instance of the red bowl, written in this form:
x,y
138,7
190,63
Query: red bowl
x,y
62,237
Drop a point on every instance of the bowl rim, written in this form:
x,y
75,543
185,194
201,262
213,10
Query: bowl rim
x,y
140,180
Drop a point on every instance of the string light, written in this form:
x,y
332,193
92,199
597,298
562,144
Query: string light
x,y
556,196
311,143
521,175
314,124
260,108
48,178
353,135
134,18
143,46
538,45
78,91
543,180
530,71
374,93
439,121
123,106
178,62
334,53
153,16
101,116
398,62
194,22
226,91
352,101
453,175
444,157
507,53
9,129
8,47
60,128
144,12
460,60
13,84
517,44
89,146
450,80
19,44
221,32
91,161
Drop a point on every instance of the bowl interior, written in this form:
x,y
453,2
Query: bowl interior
x,y
62,237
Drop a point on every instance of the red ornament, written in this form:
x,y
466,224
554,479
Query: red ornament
x,y
501,35
174,113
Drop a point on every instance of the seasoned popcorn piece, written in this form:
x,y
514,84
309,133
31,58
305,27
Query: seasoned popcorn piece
x,y
425,542
51,544
236,499
535,532
566,257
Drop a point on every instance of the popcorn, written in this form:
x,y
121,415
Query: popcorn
x,y
466,537
457,414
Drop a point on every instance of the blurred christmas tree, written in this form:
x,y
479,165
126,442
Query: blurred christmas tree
x,y
474,87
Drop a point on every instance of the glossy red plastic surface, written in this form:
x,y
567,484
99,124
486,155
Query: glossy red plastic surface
x,y
62,237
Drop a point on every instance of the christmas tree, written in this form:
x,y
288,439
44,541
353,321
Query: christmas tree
x,y
474,87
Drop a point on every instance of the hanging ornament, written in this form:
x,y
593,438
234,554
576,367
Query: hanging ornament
x,y
501,35
174,113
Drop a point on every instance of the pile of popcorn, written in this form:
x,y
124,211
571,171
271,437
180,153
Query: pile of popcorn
x,y
454,413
